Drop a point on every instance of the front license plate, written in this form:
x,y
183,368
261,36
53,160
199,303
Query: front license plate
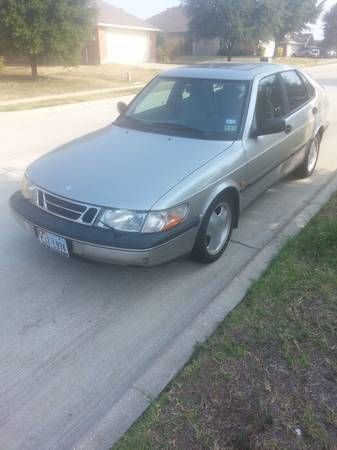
x,y
53,242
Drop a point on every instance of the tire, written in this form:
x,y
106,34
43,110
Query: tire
x,y
221,213
307,168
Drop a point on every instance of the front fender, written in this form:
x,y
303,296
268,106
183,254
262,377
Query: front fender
x,y
230,186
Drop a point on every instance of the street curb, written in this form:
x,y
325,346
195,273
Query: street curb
x,y
177,353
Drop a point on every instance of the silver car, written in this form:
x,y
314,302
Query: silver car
x,y
171,175
307,52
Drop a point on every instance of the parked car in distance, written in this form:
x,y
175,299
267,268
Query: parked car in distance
x,y
171,175
307,52
328,53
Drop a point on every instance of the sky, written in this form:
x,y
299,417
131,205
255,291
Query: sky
x,y
148,8
318,29
144,8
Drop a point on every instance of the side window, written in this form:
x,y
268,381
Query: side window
x,y
310,89
269,104
296,90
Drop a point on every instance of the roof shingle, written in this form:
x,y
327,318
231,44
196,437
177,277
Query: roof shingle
x,y
111,15
173,20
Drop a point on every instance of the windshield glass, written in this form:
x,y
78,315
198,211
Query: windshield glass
x,y
200,108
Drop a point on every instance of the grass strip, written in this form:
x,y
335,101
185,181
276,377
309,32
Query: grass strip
x,y
267,379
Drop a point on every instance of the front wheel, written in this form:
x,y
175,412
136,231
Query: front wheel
x,y
215,231
307,168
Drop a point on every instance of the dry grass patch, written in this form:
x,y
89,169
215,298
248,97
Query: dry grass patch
x,y
16,83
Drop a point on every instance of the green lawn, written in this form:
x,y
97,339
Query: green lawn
x,y
16,83
267,379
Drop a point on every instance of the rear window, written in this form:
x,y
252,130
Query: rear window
x,y
296,90
310,89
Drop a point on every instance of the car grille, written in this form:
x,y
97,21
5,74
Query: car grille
x,y
76,212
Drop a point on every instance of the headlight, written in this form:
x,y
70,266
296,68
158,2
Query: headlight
x,y
143,222
165,220
122,220
29,190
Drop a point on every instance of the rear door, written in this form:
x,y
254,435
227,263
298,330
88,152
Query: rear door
x,y
300,117
265,154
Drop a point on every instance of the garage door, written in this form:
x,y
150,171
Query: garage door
x,y
124,46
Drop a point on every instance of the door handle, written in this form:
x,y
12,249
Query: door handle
x,y
315,111
288,129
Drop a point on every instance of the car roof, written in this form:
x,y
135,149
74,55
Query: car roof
x,y
223,71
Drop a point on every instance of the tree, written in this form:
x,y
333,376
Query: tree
x,y
267,18
39,28
330,27
236,21
295,16
229,20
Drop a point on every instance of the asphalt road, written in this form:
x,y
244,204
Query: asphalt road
x,y
75,335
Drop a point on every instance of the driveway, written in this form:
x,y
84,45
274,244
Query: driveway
x,y
76,335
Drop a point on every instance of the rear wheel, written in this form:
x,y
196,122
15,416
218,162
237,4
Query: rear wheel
x,y
307,168
215,231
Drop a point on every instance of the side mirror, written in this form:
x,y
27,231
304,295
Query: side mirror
x,y
122,108
270,126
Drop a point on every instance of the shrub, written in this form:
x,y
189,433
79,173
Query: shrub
x,y
279,52
162,55
169,50
262,51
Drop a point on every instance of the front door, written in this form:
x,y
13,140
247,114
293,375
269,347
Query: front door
x,y
265,154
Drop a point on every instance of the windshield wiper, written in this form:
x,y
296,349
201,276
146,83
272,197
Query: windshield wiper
x,y
135,121
178,127
166,125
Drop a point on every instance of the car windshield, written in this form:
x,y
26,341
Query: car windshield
x,y
198,108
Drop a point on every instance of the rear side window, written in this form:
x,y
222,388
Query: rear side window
x,y
269,104
296,90
310,89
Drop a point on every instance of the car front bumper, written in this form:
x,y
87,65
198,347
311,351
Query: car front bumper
x,y
108,246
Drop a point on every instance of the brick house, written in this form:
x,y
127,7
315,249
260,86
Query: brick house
x,y
174,23
295,41
120,37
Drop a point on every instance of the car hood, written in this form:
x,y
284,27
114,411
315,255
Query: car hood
x,y
121,168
